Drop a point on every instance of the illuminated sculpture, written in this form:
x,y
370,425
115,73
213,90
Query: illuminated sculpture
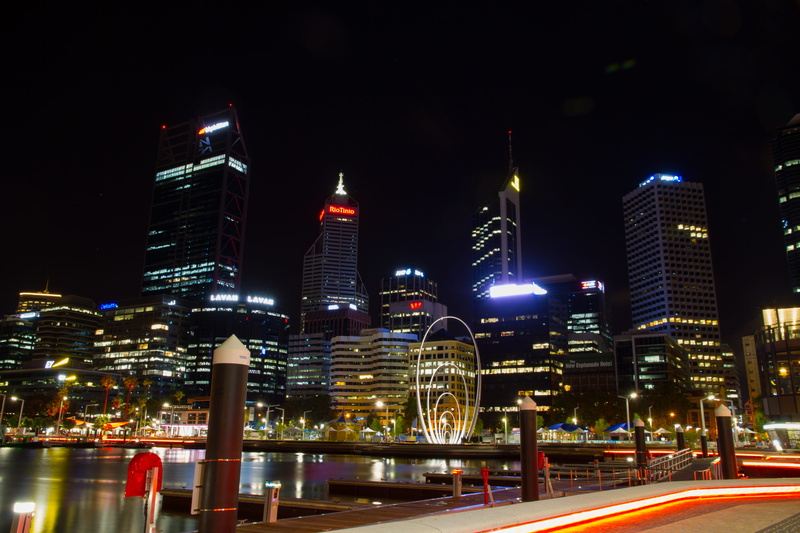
x,y
454,424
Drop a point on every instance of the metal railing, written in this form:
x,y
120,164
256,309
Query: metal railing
x,y
663,467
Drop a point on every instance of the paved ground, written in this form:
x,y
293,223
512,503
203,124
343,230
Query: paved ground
x,y
766,515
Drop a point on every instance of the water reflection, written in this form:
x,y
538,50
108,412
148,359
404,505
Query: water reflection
x,y
83,490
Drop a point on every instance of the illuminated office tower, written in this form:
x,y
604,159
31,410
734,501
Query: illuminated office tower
x,y
496,240
409,303
145,337
786,157
197,219
330,276
259,325
368,368
521,335
67,329
670,272
334,299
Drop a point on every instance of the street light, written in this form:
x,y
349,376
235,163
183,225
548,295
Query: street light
x,y
60,414
266,424
628,409
303,420
575,416
282,424
171,417
734,425
85,421
2,409
505,429
21,407
703,437
650,416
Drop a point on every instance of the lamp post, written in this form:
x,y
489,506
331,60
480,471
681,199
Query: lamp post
x,y
628,410
2,409
171,417
575,416
703,437
266,424
734,425
21,407
505,429
303,420
282,424
60,414
86,423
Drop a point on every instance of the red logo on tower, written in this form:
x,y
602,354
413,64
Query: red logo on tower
x,y
341,210
415,305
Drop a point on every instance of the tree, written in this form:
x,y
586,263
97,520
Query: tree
x,y
179,395
107,382
130,382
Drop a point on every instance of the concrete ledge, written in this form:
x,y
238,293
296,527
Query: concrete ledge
x,y
493,518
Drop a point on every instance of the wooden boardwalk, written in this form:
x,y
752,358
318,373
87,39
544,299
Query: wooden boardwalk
x,y
383,513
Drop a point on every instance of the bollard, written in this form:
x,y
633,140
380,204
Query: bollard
x,y
486,489
457,482
220,497
727,453
271,498
528,449
703,443
23,517
680,438
641,449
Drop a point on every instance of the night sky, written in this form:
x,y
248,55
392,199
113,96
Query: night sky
x,y
412,102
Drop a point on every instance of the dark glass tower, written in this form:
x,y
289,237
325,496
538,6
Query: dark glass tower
x,y
786,156
197,220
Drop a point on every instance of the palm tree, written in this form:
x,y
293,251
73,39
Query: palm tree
x,y
107,383
131,382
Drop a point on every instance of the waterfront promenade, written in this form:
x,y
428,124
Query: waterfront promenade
x,y
733,506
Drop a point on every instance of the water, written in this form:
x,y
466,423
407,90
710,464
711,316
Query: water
x,y
83,489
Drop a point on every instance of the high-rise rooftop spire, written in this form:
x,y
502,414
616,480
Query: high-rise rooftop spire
x,y
510,156
340,187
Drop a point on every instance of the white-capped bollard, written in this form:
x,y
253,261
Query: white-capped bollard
x,y
23,517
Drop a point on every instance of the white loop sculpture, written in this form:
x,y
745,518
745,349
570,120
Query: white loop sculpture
x,y
454,425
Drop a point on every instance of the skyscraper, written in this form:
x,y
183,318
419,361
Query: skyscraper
x,y
670,272
330,278
496,240
197,219
410,303
786,156
334,299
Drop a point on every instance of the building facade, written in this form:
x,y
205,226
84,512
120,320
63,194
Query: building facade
x,y
199,208
671,274
370,368
521,334
646,359
334,299
259,325
146,337
497,240
410,303
330,275
777,345
786,157
67,329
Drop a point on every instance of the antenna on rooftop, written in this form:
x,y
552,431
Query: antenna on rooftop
x,y
510,156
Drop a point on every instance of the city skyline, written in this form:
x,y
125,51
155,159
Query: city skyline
x,y
414,110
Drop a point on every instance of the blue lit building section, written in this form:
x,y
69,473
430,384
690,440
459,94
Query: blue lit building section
x,y
197,220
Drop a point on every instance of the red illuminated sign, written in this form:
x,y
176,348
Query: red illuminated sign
x,y
415,305
341,210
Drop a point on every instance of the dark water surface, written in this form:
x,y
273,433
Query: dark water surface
x,y
78,490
